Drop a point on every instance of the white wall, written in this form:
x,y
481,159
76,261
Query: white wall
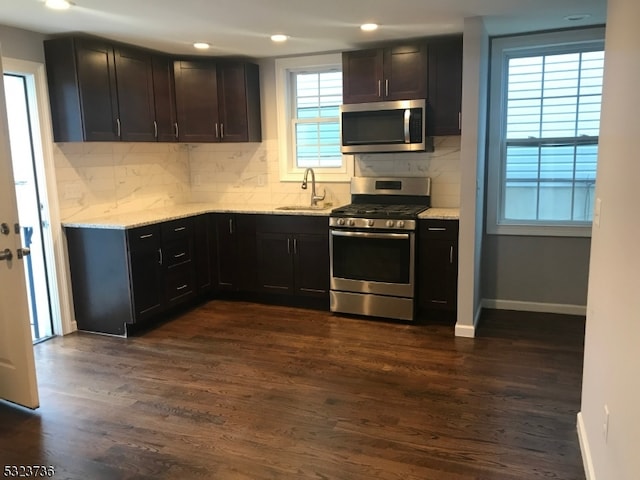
x,y
21,44
612,344
472,160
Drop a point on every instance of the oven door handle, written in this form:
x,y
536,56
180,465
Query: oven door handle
x,y
380,236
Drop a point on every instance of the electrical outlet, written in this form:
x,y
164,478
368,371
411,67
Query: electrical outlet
x,y
605,425
596,212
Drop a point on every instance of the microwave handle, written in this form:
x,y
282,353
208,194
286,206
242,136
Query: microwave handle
x,y
407,118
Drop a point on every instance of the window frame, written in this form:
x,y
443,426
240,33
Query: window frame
x,y
502,49
285,67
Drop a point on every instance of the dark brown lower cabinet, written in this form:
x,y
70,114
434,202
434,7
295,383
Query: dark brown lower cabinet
x,y
123,277
233,250
437,273
293,255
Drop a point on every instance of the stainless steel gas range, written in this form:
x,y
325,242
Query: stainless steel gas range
x,y
372,247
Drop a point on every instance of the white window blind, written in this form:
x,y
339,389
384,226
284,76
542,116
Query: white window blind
x,y
550,138
316,122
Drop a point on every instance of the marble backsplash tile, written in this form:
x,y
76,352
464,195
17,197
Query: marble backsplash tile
x,y
95,179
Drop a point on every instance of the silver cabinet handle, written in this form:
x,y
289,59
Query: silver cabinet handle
x,y
148,235
386,87
295,246
175,128
379,88
179,229
231,226
155,129
459,120
288,246
222,130
160,260
437,229
182,287
217,135
118,127
451,254
180,255
6,255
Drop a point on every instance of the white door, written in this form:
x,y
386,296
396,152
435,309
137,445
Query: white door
x,y
17,367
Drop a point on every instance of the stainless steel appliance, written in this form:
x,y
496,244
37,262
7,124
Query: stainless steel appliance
x,y
372,247
397,126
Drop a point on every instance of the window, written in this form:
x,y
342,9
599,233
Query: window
x,y
545,119
309,95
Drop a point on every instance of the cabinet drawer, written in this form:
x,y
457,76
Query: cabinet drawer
x,y
143,237
177,251
439,229
180,283
176,229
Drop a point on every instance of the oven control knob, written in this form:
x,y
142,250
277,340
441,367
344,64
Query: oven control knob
x,y
352,222
341,221
400,224
389,223
370,223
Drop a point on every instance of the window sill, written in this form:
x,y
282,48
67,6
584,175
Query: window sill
x,y
540,230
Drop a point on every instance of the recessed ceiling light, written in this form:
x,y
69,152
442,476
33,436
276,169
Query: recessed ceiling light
x,y
201,45
368,27
57,4
577,17
279,37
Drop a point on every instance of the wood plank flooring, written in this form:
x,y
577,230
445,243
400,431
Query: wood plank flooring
x,y
234,390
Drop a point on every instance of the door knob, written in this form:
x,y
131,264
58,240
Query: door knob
x,y
23,252
6,255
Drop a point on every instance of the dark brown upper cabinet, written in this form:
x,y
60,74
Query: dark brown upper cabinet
x,y
104,91
100,91
217,101
444,103
82,89
136,103
392,73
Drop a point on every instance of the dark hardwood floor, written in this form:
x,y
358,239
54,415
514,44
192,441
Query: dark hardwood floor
x,y
234,390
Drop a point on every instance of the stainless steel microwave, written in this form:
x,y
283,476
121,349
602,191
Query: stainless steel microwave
x,y
397,126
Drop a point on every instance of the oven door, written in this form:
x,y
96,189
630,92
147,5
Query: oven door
x,y
377,262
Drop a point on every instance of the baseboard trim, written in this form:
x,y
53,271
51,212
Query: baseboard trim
x,y
534,306
469,331
584,449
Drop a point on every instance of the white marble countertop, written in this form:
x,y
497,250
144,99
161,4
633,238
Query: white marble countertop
x,y
441,214
141,218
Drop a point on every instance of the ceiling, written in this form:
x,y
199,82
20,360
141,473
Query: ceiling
x,y
243,27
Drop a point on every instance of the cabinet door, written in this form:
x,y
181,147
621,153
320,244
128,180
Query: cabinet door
x,y
164,99
275,263
226,251
405,72
197,101
134,75
311,265
438,265
239,102
445,86
202,255
147,276
362,73
98,91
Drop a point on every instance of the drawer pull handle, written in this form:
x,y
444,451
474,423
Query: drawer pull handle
x,y
148,235
178,255
179,229
182,287
451,254
160,259
437,229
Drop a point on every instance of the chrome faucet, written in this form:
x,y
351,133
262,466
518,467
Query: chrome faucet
x,y
314,196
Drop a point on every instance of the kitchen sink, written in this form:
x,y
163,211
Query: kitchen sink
x,y
302,207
